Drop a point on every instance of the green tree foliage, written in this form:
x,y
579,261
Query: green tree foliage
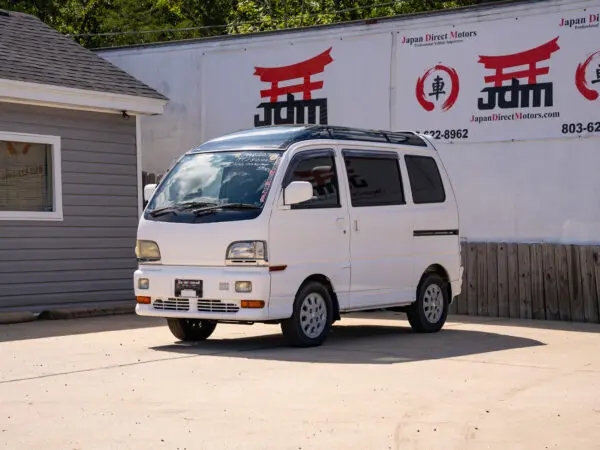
x,y
101,23
263,15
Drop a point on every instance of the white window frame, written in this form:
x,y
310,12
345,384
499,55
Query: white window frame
x,y
57,204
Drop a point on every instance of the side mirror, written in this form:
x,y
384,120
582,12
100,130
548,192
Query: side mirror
x,y
148,191
298,192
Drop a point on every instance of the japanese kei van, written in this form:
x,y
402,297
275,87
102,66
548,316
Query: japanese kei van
x,y
296,226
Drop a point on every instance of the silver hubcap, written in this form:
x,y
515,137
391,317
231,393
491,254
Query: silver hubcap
x,y
313,315
433,303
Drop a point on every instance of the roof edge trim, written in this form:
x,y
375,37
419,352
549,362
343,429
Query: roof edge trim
x,y
24,92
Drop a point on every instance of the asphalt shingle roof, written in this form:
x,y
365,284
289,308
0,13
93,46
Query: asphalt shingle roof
x,y
32,51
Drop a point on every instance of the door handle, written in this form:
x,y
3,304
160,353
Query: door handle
x,y
355,225
341,222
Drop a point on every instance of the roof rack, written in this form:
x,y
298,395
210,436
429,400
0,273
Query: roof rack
x,y
283,136
390,137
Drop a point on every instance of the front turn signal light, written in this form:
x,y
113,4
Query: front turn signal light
x,y
143,300
252,304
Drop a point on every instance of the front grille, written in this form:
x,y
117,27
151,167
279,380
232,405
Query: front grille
x,y
172,304
217,306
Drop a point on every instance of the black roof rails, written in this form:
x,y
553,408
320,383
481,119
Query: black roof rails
x,y
391,137
281,137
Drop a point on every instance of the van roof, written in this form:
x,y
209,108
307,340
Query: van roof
x,y
281,137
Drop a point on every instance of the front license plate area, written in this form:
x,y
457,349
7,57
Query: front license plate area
x,y
188,288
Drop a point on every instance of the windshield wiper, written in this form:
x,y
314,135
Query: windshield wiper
x,y
172,209
160,211
226,206
239,206
192,205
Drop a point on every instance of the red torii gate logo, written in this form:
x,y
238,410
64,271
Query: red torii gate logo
x,y
294,108
519,94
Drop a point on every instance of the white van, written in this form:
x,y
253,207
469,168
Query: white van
x,y
296,225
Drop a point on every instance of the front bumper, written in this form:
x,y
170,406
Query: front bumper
x,y
219,300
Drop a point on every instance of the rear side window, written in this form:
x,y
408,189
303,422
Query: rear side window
x,y
374,178
320,171
425,180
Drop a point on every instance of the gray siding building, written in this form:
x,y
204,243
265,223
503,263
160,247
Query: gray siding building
x,y
70,175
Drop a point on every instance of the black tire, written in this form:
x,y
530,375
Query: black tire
x,y
191,329
420,315
295,328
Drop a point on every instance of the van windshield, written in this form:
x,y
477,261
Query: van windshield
x,y
204,183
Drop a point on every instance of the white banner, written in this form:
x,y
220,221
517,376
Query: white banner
x,y
328,81
523,78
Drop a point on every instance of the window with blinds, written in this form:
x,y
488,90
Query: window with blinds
x,y
26,177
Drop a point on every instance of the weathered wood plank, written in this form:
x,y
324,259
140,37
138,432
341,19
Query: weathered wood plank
x,y
463,306
63,299
562,276
482,307
538,307
590,303
503,291
550,282
513,281
472,279
492,279
575,287
65,243
524,281
53,276
14,291
19,267
68,232
50,254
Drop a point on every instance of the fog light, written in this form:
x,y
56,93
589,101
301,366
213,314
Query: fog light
x,y
243,286
143,300
143,283
252,304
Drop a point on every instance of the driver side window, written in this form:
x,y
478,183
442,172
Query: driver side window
x,y
318,169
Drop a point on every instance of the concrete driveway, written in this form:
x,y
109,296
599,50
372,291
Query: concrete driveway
x,y
123,382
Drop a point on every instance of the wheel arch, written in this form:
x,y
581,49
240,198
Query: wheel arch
x,y
442,272
326,282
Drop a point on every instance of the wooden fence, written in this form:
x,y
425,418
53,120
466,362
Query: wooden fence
x,y
530,281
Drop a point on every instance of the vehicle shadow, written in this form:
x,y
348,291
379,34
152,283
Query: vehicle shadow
x,y
39,329
362,344
539,324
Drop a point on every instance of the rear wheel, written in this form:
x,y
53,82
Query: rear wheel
x,y
312,317
191,329
428,314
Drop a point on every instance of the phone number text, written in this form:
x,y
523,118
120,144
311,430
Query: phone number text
x,y
462,133
576,128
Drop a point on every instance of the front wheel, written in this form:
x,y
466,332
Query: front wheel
x,y
191,329
428,314
312,317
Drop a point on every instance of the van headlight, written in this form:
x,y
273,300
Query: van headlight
x,y
247,252
147,252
